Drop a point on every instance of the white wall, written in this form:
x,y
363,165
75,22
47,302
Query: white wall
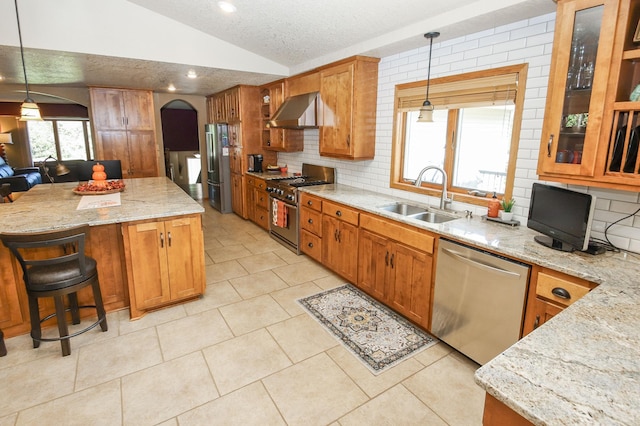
x,y
525,41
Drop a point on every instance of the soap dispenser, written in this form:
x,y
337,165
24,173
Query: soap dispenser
x,y
494,206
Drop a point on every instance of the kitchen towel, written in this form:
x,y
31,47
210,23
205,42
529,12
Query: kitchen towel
x,y
280,213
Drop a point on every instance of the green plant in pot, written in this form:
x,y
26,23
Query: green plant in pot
x,y
507,207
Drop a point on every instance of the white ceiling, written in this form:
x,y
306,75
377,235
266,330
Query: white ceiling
x,y
295,35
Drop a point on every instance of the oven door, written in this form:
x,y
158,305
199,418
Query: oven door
x,y
288,235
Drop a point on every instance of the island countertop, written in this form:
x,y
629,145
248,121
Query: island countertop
x,y
582,367
52,206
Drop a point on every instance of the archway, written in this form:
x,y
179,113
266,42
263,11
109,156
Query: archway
x,y
181,146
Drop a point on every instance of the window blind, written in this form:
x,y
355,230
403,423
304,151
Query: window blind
x,y
470,92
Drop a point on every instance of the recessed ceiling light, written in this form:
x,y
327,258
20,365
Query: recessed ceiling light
x,y
192,74
171,88
226,6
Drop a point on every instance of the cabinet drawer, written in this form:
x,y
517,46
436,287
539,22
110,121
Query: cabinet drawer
x,y
261,199
261,218
260,184
251,181
392,229
311,221
311,202
340,212
311,245
573,287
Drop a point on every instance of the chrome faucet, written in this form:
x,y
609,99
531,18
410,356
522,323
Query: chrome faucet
x,y
444,199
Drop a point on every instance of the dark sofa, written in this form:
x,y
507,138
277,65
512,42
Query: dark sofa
x,y
81,170
20,179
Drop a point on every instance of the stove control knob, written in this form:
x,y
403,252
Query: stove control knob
x,y
280,191
269,189
290,197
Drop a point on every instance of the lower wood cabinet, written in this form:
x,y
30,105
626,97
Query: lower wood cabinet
x,y
340,239
396,273
311,226
237,195
165,261
257,201
549,293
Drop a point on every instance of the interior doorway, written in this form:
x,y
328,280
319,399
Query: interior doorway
x,y
182,147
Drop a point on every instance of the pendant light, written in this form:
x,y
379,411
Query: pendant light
x,y
29,109
426,111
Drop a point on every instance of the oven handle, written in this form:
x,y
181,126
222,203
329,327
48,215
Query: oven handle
x,y
291,206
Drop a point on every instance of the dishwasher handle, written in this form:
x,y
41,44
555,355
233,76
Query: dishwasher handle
x,y
478,264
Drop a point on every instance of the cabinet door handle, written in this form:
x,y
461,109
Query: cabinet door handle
x,y
561,292
310,221
338,213
169,238
310,245
549,146
536,323
335,235
339,235
349,140
161,239
391,260
386,259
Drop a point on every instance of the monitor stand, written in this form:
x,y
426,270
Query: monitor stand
x,y
553,243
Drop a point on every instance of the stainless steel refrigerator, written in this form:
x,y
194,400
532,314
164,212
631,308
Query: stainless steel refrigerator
x,y
219,172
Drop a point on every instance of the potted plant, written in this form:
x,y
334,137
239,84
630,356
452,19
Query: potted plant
x,y
507,205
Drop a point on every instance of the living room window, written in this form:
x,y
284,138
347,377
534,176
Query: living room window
x,y
64,139
473,137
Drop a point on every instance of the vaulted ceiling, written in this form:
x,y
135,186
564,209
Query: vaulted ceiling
x,y
153,43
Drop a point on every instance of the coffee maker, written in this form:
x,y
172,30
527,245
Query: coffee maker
x,y
255,163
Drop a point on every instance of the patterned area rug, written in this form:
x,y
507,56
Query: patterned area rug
x,y
377,335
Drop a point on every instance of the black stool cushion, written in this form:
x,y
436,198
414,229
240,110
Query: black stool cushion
x,y
61,275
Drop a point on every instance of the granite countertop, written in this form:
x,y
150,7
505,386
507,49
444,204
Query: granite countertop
x,y
581,367
51,206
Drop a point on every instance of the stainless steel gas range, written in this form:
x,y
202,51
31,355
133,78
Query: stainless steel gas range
x,y
284,200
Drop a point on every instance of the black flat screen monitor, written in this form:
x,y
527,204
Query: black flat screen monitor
x,y
562,215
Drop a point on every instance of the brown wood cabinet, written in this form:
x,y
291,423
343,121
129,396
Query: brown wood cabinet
x,y
549,293
589,136
340,239
395,266
239,108
258,201
311,226
124,127
347,114
165,261
285,140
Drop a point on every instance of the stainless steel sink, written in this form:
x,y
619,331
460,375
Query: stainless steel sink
x,y
404,209
424,214
433,217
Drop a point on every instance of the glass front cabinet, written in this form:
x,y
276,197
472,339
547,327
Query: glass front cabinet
x,y
592,117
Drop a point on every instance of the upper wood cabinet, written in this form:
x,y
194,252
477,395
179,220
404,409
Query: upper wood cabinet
x,y
224,107
124,126
590,133
347,113
287,140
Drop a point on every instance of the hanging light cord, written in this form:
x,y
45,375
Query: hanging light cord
x,y
24,68
428,67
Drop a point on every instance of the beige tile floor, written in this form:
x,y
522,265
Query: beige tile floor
x,y
244,354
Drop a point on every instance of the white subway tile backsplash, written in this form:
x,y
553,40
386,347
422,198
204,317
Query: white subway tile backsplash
x,y
524,41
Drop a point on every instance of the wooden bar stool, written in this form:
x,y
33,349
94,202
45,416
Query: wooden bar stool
x,y
54,265
3,348
5,192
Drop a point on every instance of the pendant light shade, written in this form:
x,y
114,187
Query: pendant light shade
x,y
29,109
426,110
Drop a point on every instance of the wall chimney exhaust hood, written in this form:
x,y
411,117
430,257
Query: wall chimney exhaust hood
x,y
297,112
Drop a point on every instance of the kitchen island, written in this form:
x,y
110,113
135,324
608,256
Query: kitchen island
x,y
579,368
149,249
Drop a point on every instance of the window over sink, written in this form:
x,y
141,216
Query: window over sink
x,y
473,137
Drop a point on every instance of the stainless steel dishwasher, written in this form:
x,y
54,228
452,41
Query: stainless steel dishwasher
x,y
478,300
